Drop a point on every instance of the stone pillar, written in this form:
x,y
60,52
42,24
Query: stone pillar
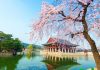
x,y
47,49
50,49
68,50
59,49
75,49
65,50
55,49
71,50
62,50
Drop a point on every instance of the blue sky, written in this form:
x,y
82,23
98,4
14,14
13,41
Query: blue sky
x,y
16,17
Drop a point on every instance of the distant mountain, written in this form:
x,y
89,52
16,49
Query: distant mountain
x,y
25,45
37,46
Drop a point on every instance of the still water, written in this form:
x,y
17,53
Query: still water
x,y
40,62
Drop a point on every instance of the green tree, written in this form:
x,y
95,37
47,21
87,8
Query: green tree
x,y
17,44
30,48
8,43
29,51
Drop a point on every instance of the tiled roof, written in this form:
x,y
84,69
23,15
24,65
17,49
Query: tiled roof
x,y
60,41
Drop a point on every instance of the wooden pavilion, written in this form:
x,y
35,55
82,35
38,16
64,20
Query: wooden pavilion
x,y
59,45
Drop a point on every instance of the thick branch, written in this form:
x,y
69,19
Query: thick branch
x,y
73,34
78,16
69,17
62,13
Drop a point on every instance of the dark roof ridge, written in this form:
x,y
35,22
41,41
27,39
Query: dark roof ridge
x,y
62,41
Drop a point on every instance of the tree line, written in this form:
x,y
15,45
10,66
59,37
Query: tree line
x,y
8,43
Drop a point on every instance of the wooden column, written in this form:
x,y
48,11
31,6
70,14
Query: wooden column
x,y
62,50
68,50
73,50
50,49
65,50
55,49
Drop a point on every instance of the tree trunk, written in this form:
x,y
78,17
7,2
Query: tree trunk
x,y
94,50
90,40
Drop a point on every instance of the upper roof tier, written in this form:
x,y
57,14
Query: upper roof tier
x,y
60,41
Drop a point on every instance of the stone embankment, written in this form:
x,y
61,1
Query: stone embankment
x,y
5,54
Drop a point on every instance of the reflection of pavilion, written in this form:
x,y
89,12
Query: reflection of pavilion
x,y
59,45
59,62
58,58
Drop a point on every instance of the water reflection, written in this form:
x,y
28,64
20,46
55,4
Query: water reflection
x,y
46,62
86,58
29,55
59,62
34,63
85,62
9,63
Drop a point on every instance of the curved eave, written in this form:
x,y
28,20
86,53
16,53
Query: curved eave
x,y
73,45
48,44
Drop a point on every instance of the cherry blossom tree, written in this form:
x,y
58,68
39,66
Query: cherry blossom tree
x,y
75,19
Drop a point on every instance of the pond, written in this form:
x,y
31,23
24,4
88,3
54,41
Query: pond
x,y
46,62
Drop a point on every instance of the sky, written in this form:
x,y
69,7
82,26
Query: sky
x,y
16,17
